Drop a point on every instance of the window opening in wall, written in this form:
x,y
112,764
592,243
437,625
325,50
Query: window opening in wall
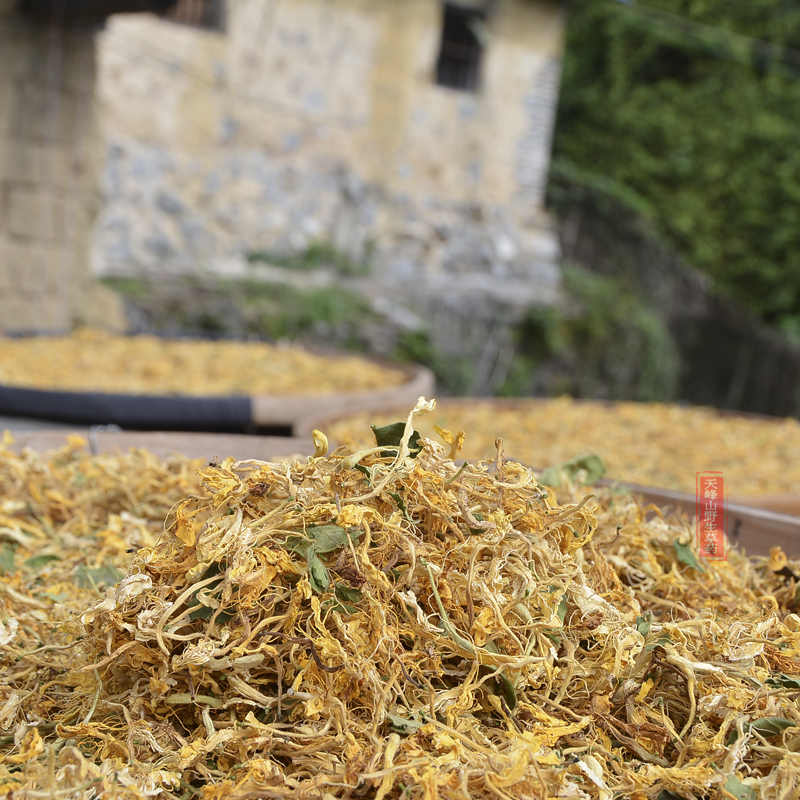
x,y
199,13
458,65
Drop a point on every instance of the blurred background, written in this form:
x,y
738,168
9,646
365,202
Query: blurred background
x,y
532,198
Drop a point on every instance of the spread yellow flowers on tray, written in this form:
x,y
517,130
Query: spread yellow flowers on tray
x,y
94,361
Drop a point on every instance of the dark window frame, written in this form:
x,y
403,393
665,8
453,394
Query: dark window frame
x,y
458,65
205,14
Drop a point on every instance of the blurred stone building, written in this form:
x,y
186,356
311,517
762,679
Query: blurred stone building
x,y
410,134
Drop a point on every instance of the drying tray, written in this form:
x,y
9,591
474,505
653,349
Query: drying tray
x,y
752,528
207,446
285,415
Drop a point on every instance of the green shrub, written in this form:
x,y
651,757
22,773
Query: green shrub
x,y
682,108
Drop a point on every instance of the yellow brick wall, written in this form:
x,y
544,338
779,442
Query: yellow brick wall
x,y
50,156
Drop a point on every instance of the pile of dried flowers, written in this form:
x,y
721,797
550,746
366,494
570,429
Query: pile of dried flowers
x,y
388,624
653,444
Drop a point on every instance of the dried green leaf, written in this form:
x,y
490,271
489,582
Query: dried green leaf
x,y
562,609
392,435
319,539
770,726
56,597
318,575
201,612
401,504
783,680
205,611
660,642
741,791
37,562
587,468
686,555
347,593
508,690
366,471
97,577
322,538
403,725
766,726
7,559
297,544
328,538
337,605
202,607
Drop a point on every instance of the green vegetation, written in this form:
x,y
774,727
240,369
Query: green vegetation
x,y
128,287
190,306
606,343
453,375
680,108
278,311
626,347
207,306
318,255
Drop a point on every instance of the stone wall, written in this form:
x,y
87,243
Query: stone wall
x,y
320,121
49,159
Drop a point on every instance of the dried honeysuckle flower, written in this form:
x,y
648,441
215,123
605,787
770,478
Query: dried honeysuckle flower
x,y
8,630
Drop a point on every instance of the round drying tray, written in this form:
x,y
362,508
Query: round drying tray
x,y
281,415
144,382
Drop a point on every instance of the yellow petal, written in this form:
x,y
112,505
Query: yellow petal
x,y
320,443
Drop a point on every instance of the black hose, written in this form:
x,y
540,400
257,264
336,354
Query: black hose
x,y
133,412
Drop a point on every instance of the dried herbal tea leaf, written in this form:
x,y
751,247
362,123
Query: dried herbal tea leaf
x,y
37,562
741,791
403,725
318,575
347,593
97,577
328,538
766,726
7,559
783,680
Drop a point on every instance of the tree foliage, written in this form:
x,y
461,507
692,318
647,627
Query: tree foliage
x,y
692,108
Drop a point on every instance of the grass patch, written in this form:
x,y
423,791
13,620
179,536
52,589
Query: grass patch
x,y
318,255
